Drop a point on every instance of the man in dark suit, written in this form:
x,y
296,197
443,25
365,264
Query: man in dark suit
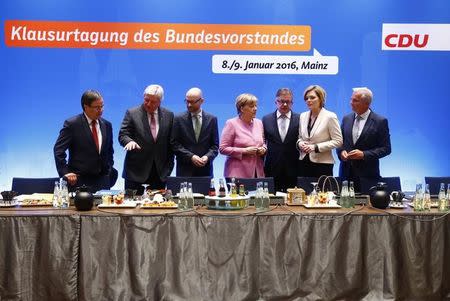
x,y
366,140
195,138
88,138
281,133
145,135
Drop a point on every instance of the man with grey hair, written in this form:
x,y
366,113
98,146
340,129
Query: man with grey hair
x,y
145,135
195,138
366,140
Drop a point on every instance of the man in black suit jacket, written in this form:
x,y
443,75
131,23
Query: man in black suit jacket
x,y
281,133
195,138
145,135
88,138
366,140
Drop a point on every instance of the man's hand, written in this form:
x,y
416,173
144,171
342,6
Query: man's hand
x,y
355,154
131,146
71,178
344,155
197,161
205,159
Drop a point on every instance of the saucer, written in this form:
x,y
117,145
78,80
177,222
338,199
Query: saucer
x,y
397,205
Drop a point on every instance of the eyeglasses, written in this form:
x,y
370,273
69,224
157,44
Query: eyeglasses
x,y
98,108
192,102
284,102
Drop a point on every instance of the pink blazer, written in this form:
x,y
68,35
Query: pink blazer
x,y
237,135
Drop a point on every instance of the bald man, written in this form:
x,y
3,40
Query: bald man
x,y
195,138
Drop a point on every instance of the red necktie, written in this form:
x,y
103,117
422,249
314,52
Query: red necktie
x,y
153,125
94,133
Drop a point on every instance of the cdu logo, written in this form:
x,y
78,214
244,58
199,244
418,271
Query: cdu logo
x,y
406,40
422,37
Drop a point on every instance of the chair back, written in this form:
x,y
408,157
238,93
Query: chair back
x,y
33,185
199,184
113,175
393,184
250,183
434,183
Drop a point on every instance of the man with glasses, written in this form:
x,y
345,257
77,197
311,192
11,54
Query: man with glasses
x,y
195,138
145,135
88,139
281,133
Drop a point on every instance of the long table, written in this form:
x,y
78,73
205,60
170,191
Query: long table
x,y
287,253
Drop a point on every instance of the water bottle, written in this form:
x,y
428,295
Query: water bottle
x,y
258,196
266,197
351,195
182,196
442,206
64,195
448,195
344,195
189,197
418,198
56,194
427,198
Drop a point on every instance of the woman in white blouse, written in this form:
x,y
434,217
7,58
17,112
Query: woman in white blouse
x,y
319,134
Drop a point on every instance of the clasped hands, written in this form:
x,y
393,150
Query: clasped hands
x,y
255,150
306,147
199,162
355,154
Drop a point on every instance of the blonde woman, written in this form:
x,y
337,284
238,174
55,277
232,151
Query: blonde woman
x,y
242,141
319,134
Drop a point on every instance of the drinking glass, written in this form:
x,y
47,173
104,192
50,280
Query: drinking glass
x,y
145,195
312,198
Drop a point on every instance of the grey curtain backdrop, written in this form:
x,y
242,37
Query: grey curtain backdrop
x,y
273,256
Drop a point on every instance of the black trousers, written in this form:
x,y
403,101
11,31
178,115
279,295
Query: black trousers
x,y
312,169
153,180
282,179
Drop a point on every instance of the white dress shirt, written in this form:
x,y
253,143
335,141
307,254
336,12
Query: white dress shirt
x,y
362,121
280,120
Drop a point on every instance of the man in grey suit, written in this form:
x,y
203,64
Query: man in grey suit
x,y
145,135
366,140
281,133
195,138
